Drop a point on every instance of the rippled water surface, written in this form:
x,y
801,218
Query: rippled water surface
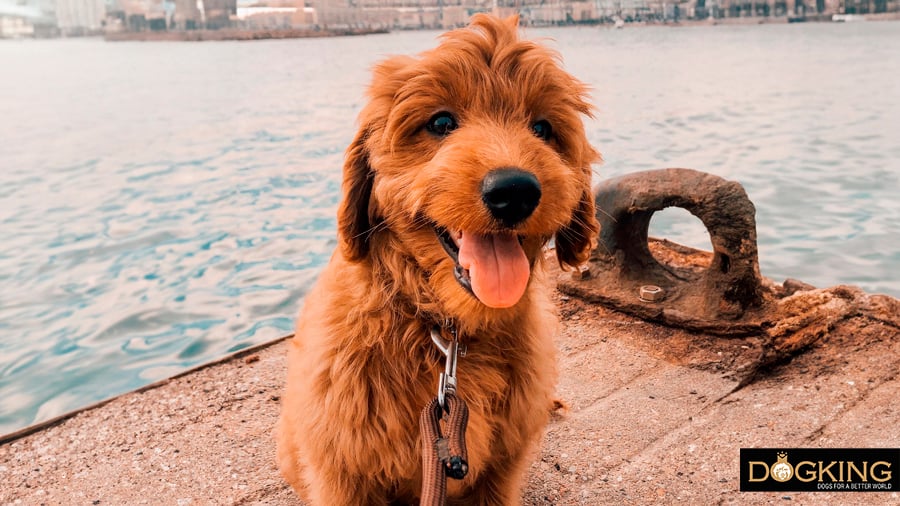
x,y
163,204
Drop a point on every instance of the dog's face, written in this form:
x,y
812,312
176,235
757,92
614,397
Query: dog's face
x,y
473,155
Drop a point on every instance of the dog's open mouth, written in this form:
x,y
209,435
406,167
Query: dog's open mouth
x,y
492,267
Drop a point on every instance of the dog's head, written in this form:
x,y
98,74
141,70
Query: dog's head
x,y
472,156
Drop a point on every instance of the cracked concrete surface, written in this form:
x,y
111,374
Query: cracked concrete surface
x,y
654,415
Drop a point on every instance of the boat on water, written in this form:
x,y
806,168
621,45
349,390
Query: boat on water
x,y
847,18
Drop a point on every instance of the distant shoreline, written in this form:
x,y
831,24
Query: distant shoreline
x,y
747,21
236,34
771,20
243,34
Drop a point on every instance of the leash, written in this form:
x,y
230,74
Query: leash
x,y
444,456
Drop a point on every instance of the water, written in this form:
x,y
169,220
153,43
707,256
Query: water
x,y
163,204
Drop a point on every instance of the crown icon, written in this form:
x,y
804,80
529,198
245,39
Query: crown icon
x,y
782,470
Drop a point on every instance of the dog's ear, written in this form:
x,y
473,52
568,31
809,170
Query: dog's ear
x,y
575,241
356,213
353,213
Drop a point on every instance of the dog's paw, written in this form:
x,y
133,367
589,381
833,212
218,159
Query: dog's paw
x,y
559,408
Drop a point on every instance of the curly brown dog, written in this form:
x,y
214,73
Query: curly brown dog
x,y
468,160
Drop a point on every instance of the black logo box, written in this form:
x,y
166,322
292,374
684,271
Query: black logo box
x,y
821,470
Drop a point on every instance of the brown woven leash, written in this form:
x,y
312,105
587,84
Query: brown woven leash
x,y
443,456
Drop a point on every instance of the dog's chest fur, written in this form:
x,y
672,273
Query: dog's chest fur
x,y
373,370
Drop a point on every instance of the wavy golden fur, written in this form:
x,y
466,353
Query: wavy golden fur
x,y
362,365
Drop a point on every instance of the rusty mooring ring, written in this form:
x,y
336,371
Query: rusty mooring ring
x,y
715,299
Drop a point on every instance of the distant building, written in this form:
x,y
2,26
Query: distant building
x,y
187,15
276,17
27,18
219,13
79,17
454,16
334,13
14,27
16,21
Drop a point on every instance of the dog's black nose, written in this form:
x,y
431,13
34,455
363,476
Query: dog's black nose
x,y
510,194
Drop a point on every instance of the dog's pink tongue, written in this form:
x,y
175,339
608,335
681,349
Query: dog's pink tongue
x,y
498,268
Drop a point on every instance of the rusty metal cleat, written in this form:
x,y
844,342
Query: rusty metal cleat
x,y
719,299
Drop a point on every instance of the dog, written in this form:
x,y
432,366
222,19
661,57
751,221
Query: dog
x,y
469,159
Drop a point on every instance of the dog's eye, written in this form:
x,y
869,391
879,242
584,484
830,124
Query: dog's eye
x,y
441,124
542,129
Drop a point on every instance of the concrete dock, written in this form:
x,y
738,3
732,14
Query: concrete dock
x,y
655,415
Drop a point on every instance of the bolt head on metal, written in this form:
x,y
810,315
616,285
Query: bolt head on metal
x,y
583,272
652,293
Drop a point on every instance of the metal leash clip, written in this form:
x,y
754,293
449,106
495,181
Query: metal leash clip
x,y
452,350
